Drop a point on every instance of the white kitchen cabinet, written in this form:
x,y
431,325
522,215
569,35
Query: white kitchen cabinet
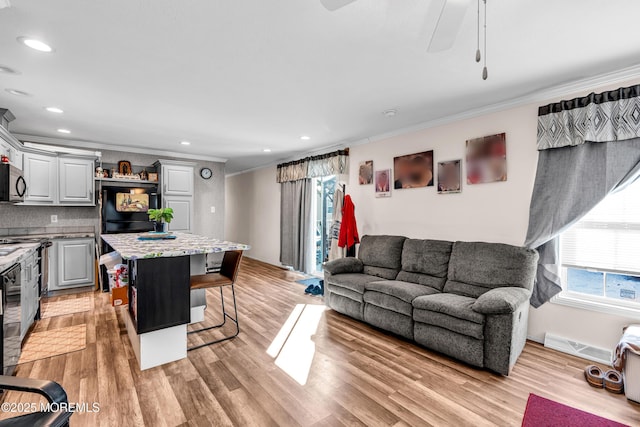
x,y
177,180
72,263
182,212
75,183
41,173
176,185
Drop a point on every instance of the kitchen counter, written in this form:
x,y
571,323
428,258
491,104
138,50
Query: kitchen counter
x,y
129,247
24,250
161,302
50,236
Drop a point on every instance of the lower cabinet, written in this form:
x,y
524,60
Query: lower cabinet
x,y
71,263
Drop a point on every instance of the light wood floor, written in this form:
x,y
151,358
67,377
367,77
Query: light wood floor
x,y
358,375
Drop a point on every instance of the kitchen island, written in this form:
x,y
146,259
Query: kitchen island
x,y
161,303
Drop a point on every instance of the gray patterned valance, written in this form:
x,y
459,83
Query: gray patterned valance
x,y
602,117
315,166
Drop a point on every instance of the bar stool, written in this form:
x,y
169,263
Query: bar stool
x,y
226,277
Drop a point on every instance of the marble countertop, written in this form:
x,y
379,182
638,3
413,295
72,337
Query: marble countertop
x,y
129,247
24,250
60,235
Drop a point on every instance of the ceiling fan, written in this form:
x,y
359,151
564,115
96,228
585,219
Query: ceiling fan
x,y
442,23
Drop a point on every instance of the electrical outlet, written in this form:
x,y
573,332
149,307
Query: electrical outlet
x,y
213,209
54,218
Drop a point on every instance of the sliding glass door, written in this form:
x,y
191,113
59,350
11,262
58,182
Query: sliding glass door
x,y
324,190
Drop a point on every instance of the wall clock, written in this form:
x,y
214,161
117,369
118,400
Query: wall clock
x,y
206,173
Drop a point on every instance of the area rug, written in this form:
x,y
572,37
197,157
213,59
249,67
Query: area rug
x,y
67,306
541,412
54,342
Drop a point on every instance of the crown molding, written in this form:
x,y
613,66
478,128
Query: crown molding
x,y
75,143
542,95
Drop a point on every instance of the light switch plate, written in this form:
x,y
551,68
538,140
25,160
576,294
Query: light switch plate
x,y
54,218
213,209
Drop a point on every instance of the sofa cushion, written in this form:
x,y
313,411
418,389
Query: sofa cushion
x,y
404,291
380,272
436,283
352,281
451,323
345,292
426,257
381,251
450,304
476,267
393,295
388,303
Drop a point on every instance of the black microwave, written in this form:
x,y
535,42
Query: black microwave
x,y
12,184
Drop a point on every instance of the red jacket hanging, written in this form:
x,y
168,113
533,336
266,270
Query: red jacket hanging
x,y
348,229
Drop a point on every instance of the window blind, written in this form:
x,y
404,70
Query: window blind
x,y
608,237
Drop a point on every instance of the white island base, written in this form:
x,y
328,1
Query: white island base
x,y
170,344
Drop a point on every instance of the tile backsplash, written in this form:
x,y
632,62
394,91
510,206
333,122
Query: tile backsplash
x,y
20,220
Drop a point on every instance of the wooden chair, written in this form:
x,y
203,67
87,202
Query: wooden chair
x,y
225,277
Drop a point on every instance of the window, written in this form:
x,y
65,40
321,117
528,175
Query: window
x,y
601,253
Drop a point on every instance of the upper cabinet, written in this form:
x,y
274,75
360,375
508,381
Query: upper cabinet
x,y
58,180
40,173
177,180
176,186
75,180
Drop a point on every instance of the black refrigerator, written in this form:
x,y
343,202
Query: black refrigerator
x,y
124,208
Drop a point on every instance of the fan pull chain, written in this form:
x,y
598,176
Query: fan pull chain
x,y
478,56
485,73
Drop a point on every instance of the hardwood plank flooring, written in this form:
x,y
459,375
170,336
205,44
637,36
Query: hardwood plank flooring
x,y
332,371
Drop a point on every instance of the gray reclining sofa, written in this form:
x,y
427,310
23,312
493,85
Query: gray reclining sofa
x,y
469,300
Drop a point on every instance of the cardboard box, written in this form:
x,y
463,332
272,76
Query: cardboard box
x,y
120,296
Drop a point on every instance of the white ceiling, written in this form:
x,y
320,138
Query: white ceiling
x,y
235,77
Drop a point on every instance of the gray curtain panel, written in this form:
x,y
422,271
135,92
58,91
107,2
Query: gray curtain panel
x,y
570,181
296,236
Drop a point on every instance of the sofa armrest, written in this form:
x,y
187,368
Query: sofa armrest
x,y
501,300
344,265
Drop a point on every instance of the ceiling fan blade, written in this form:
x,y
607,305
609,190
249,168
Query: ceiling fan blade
x,y
335,4
444,21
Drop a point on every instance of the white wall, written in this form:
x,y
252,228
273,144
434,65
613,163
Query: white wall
x,y
252,214
496,212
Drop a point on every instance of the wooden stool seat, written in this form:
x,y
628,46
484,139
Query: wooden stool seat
x,y
226,277
212,280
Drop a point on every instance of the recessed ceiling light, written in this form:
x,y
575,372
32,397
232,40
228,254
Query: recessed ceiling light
x,y
390,113
64,131
8,70
267,150
17,92
54,110
35,44
185,143
305,137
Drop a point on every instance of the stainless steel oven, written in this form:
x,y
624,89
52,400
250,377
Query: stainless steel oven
x,y
12,184
11,314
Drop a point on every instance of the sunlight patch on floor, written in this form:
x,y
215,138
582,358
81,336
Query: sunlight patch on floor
x,y
293,347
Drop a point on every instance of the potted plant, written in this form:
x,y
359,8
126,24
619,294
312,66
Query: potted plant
x,y
161,217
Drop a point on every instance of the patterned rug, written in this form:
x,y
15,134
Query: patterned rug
x,y
67,306
54,342
541,412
